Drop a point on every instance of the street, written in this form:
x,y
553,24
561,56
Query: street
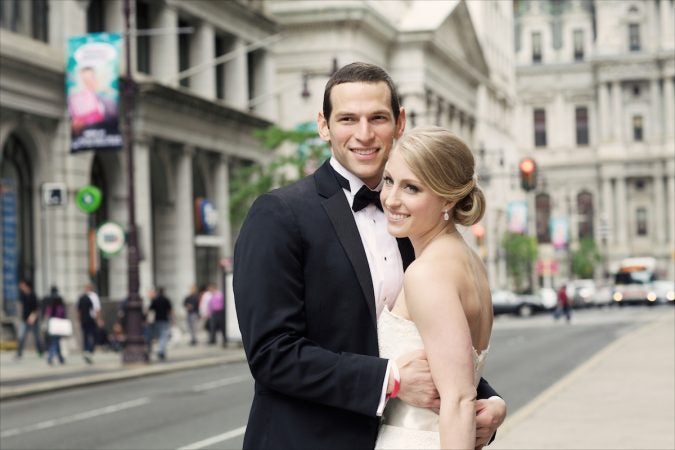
x,y
207,408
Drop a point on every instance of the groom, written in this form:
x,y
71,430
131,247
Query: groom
x,y
313,267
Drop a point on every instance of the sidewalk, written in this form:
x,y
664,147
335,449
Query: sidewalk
x,y
622,398
32,375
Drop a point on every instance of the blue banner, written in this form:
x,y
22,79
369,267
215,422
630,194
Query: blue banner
x,y
92,88
10,246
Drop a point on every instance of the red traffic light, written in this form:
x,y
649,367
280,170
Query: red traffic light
x,y
528,174
527,166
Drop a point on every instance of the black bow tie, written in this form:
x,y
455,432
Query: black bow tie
x,y
363,197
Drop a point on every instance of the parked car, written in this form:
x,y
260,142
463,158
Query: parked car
x,y
506,302
602,296
549,298
581,292
662,291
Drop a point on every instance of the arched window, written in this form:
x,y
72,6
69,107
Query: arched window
x,y
100,273
585,213
543,217
16,221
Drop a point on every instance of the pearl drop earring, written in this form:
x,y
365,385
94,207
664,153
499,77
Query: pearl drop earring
x,y
446,216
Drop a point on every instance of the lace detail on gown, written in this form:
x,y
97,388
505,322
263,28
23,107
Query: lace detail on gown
x,y
404,426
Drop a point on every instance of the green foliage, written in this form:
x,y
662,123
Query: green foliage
x,y
254,179
585,258
521,252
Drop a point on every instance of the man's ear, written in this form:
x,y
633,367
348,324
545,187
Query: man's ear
x,y
400,124
322,127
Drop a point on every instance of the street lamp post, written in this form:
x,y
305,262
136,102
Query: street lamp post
x,y
134,350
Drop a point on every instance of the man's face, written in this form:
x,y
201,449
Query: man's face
x,y
361,128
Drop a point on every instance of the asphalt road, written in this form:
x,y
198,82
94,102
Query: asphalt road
x,y
207,408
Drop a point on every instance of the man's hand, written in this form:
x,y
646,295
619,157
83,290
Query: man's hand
x,y
417,386
490,413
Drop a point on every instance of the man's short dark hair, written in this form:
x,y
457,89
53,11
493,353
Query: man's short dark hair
x,y
364,73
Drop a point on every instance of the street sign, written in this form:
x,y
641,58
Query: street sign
x,y
54,194
110,238
88,199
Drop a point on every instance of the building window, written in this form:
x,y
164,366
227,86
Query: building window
x,y
536,47
184,52
40,20
641,221
585,214
581,114
95,16
637,128
29,18
578,39
143,42
634,37
543,217
540,128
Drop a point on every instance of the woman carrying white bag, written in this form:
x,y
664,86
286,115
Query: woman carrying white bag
x,y
57,325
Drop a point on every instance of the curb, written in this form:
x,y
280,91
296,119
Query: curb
x,y
125,374
527,410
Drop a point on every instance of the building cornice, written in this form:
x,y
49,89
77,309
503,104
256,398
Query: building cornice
x,y
184,101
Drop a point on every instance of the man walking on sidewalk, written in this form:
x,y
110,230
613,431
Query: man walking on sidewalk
x,y
29,318
88,312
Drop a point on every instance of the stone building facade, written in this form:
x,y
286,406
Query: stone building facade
x,y
193,126
596,110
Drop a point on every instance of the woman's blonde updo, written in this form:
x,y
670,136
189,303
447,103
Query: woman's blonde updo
x,y
445,164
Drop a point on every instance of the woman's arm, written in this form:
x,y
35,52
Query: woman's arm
x,y
434,305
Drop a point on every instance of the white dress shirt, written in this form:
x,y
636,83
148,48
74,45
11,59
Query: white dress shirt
x,y
384,258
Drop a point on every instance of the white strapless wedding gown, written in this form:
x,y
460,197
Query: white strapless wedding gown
x,y
404,426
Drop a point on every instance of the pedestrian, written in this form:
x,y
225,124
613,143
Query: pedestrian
x,y
162,310
564,305
88,310
216,308
313,267
191,305
55,308
30,320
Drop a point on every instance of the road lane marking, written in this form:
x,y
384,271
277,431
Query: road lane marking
x,y
215,439
220,383
76,417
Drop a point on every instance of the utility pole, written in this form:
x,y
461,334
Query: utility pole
x,y
134,350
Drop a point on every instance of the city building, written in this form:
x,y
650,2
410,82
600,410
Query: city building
x,y
596,111
453,65
198,66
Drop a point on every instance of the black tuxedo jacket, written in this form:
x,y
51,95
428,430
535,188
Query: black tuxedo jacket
x,y
306,310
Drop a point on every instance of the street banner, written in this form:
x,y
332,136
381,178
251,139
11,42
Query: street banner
x,y
10,244
92,88
516,212
559,232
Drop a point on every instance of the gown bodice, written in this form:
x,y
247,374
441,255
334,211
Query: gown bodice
x,y
398,336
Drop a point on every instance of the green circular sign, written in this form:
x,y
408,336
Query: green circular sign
x,y
88,199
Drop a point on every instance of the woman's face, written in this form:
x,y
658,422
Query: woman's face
x,y
411,208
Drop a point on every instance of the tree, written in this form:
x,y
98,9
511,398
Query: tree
x,y
521,252
585,258
254,179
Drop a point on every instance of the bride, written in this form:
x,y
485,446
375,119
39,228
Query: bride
x,y
445,304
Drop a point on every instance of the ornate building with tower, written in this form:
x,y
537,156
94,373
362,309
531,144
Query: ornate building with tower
x,y
596,111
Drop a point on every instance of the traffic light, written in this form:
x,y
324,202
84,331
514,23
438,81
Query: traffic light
x,y
528,174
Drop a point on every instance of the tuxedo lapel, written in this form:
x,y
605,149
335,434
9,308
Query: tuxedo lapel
x,y
407,251
340,214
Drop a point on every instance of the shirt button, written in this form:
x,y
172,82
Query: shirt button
x,y
385,258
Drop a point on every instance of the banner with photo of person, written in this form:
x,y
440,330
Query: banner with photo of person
x,y
559,232
92,89
516,212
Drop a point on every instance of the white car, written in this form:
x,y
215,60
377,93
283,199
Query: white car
x,y
662,291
